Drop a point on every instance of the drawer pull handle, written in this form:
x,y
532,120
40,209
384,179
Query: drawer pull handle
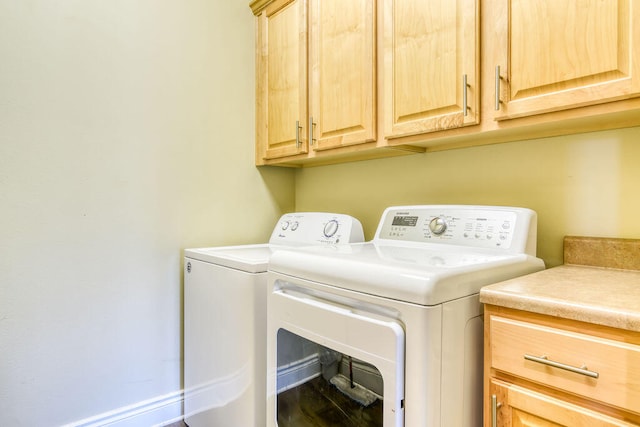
x,y
545,361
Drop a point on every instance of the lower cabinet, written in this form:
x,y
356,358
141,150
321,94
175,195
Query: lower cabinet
x,y
543,371
512,405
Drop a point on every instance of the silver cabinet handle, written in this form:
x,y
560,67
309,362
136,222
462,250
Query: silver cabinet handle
x,y
298,127
545,361
497,87
464,94
494,410
311,125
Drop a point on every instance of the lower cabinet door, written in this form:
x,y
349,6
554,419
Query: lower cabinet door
x,y
514,406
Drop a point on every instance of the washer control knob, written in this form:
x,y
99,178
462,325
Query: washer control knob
x,y
438,225
331,228
285,225
295,225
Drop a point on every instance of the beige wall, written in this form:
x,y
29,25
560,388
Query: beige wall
x,y
126,135
584,184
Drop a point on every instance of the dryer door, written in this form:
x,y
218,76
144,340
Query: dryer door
x,y
332,362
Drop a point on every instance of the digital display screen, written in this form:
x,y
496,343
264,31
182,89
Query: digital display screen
x,y
405,221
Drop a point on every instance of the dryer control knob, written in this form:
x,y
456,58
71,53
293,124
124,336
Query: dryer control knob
x,y
331,228
438,225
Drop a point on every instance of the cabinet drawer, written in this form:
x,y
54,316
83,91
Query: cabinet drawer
x,y
607,371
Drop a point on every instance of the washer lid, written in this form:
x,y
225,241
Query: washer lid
x,y
248,258
420,274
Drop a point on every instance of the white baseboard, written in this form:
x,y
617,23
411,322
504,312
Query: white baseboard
x,y
298,372
158,411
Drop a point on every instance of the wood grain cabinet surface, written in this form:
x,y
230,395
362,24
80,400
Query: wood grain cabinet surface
x,y
431,65
351,80
343,73
281,80
558,55
316,78
547,371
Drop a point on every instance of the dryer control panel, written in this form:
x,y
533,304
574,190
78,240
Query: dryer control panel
x,y
505,228
311,228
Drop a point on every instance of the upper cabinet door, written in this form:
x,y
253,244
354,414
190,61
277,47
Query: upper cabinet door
x,y
282,79
343,73
564,54
430,65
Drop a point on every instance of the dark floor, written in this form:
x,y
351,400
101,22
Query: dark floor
x,y
317,403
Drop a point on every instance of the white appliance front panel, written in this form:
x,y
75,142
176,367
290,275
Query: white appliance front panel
x,y
224,385
314,228
423,344
505,229
368,337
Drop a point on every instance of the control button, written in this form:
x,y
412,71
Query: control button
x,y
489,236
331,228
294,226
285,225
506,225
438,225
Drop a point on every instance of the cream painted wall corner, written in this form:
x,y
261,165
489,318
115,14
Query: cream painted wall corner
x,y
126,135
585,184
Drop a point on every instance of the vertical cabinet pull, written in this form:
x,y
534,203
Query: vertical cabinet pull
x,y
494,410
298,127
497,87
464,94
311,125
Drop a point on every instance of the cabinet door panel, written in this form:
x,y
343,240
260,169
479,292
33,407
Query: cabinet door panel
x,y
566,54
343,64
521,407
283,77
429,46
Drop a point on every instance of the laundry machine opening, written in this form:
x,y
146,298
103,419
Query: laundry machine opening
x,y
318,382
347,372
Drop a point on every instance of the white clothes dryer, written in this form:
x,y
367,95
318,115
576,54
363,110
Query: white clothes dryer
x,y
395,323
225,319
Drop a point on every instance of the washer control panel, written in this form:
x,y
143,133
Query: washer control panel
x,y
506,228
305,228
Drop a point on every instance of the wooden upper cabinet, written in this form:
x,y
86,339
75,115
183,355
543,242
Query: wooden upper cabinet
x,y
559,55
281,80
430,50
350,80
343,73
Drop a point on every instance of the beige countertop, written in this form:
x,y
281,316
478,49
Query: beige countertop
x,y
603,296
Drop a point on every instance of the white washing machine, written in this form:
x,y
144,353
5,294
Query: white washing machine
x,y
225,319
395,323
